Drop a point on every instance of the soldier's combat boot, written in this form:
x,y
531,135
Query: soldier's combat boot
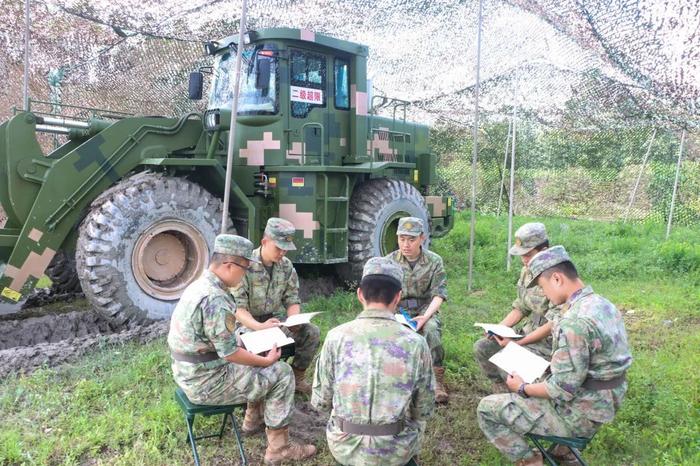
x,y
254,420
564,456
535,460
441,395
280,449
302,386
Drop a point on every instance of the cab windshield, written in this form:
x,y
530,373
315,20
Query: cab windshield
x,y
258,94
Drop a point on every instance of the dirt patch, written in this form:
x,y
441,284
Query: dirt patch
x,y
308,425
27,358
318,282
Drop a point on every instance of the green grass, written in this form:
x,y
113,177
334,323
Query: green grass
x,y
116,406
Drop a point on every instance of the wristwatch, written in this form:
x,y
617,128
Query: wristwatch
x,y
521,390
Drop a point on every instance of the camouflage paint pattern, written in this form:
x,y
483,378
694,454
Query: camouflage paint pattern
x,y
425,280
203,322
374,370
537,311
590,341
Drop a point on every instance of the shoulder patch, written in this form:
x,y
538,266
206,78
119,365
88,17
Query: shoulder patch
x,y
230,322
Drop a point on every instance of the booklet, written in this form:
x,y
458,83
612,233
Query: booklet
x,y
500,330
262,340
516,359
404,318
299,319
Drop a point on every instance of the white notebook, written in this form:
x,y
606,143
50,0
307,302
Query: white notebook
x,y
516,359
262,340
299,319
500,330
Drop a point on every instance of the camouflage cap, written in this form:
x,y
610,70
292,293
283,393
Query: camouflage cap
x,y
412,226
527,237
546,259
383,266
233,245
281,232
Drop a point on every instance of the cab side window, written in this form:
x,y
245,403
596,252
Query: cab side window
x,y
308,82
342,84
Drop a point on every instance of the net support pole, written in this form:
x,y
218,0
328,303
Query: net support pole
x,y
511,195
675,186
503,172
633,196
25,84
234,118
475,148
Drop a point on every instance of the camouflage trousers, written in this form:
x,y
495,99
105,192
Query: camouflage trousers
x,y
506,418
484,348
307,339
432,331
236,384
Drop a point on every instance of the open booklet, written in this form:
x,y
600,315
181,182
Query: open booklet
x,y
404,318
262,340
498,329
516,359
299,319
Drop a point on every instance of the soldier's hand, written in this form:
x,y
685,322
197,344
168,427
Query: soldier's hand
x,y
514,381
503,341
269,323
273,355
420,321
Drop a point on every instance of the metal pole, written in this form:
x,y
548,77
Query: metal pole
x,y
475,148
511,195
675,186
25,87
234,118
503,172
639,176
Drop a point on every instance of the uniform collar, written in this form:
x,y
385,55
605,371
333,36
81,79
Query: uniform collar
x,y
376,314
257,255
583,292
401,258
214,279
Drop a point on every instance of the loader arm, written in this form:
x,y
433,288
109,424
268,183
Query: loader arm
x,y
44,197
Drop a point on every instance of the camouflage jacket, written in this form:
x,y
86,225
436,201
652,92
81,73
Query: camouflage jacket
x,y
374,370
262,294
589,341
533,304
426,280
202,322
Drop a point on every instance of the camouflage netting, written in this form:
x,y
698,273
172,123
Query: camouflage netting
x,y
592,82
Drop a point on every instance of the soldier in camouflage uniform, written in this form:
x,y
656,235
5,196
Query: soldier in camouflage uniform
x,y
530,305
270,292
590,358
424,290
375,374
212,369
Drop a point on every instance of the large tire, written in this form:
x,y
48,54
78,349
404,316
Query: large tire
x,y
143,241
63,273
375,209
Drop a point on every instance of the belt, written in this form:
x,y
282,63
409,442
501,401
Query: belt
x,y
594,384
413,303
194,358
347,427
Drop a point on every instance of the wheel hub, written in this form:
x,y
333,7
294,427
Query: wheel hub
x,y
168,256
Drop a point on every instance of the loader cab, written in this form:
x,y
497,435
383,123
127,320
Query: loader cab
x,y
296,99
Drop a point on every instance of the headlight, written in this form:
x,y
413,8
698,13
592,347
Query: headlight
x,y
211,120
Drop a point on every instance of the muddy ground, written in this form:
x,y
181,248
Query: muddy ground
x,y
49,330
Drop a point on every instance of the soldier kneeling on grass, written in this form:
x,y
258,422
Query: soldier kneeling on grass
x,y
590,357
376,376
212,369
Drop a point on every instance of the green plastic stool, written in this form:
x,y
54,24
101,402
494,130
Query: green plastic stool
x,y
191,410
575,445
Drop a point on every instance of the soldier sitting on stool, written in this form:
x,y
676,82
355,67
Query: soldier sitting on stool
x,y
423,292
212,369
590,357
270,292
376,376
